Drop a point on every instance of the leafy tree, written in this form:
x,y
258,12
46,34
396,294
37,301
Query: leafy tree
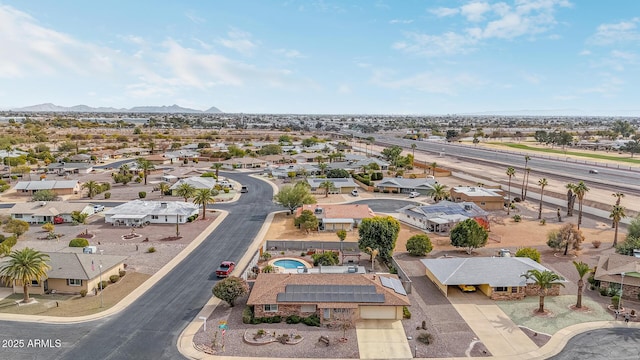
x,y
44,195
307,221
203,197
123,179
79,217
628,245
542,182
438,192
511,172
544,280
530,253
419,245
469,234
580,190
230,289
285,139
92,188
308,142
295,196
616,215
391,154
379,233
327,258
25,266
16,227
569,236
342,234
582,269
327,186
270,149
338,173
235,151
323,167
632,147
185,191
624,128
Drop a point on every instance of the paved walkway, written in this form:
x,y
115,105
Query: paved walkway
x,y
382,339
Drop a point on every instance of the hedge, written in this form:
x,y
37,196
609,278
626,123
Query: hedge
x,y
79,242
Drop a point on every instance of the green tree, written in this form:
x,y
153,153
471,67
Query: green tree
x,y
16,227
217,167
203,197
433,167
92,188
342,235
292,197
379,233
530,253
419,245
327,258
185,191
580,190
327,186
323,167
616,215
582,269
511,172
542,182
307,221
568,236
469,234
628,245
438,192
25,266
145,166
163,187
632,147
270,149
44,195
48,227
545,280
123,179
79,217
413,152
230,289
391,154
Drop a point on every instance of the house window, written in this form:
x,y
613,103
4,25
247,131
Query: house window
x,y
501,289
271,307
482,203
154,217
307,308
74,282
514,289
35,283
18,216
341,311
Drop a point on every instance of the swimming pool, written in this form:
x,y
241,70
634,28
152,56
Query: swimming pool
x,y
288,263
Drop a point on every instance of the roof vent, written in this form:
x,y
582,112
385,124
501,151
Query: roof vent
x,y
467,207
163,205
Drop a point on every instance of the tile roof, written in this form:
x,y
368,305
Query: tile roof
x,y
407,183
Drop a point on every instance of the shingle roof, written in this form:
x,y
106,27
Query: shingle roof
x,y
197,182
610,268
407,183
337,182
339,211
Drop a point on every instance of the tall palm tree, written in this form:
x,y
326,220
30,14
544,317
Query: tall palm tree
x,y
433,166
583,269
524,171
526,184
617,214
186,191
323,167
618,196
146,166
542,182
413,152
25,266
327,186
217,166
580,190
163,187
319,159
92,188
438,192
202,197
545,280
570,198
511,172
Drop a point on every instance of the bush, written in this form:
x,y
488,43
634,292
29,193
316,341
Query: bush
x,y
122,273
425,338
327,258
268,269
151,250
265,256
293,319
517,218
107,195
247,315
406,314
142,194
104,283
543,222
596,243
531,253
79,242
83,292
312,320
604,291
226,190
114,278
615,301
419,245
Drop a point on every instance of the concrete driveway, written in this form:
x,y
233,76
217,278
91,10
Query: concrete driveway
x,y
382,339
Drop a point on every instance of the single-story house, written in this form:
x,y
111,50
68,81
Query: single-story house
x,y
443,216
405,186
499,278
341,185
330,296
12,153
244,163
72,272
40,212
63,168
64,187
80,158
487,199
333,217
283,171
197,182
173,156
368,161
157,159
139,212
131,151
278,159
103,155
610,269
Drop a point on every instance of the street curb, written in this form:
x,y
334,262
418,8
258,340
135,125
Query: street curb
x,y
130,298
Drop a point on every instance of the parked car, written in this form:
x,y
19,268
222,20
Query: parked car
x,y
58,220
98,208
467,288
354,192
225,269
593,171
414,194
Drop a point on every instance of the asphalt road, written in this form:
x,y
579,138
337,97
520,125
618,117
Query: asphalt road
x,y
149,328
603,344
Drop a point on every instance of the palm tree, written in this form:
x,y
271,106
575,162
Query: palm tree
x,y
25,266
526,161
217,166
413,152
510,172
438,192
323,167
526,184
618,197
327,186
580,190
571,196
124,169
433,166
92,188
163,187
542,182
145,166
545,280
202,197
583,269
319,159
186,191
617,214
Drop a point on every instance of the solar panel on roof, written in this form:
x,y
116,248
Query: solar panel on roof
x,y
330,293
394,284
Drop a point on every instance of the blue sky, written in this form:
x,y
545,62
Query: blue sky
x,y
338,57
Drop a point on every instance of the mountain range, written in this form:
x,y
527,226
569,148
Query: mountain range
x,y
173,109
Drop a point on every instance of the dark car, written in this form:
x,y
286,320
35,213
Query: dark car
x,y
225,269
593,171
244,189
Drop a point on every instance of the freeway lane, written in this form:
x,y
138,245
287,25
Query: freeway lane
x,y
149,328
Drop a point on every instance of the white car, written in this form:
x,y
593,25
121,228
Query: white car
x,y
98,208
414,194
354,192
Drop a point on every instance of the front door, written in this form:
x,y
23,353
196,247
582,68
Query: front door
x,y
46,285
326,314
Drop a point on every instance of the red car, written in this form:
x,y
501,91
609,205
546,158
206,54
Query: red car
x,y
225,269
58,220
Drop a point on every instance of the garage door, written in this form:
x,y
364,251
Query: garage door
x,y
378,312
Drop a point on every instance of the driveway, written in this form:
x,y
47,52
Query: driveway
x,y
382,339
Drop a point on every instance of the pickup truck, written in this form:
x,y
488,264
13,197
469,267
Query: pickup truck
x,y
225,269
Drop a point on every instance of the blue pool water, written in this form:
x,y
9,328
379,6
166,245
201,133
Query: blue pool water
x,y
288,264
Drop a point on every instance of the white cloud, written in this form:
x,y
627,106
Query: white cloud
x,y
191,15
290,53
344,89
474,11
434,45
584,53
624,31
239,41
399,21
443,11
608,87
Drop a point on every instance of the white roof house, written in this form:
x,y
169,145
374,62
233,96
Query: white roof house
x,y
196,181
140,212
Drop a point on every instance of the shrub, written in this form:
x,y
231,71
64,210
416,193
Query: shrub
x,y
78,242
268,269
151,250
226,190
327,258
114,278
83,292
531,253
615,301
543,221
107,195
265,256
48,227
385,191
312,320
425,338
122,273
419,245
406,314
604,291
142,194
293,319
247,315
104,283
517,218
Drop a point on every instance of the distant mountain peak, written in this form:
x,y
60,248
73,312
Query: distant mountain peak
x,y
49,107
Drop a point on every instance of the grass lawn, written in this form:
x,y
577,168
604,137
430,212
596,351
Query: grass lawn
x,y
561,314
574,153
74,305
